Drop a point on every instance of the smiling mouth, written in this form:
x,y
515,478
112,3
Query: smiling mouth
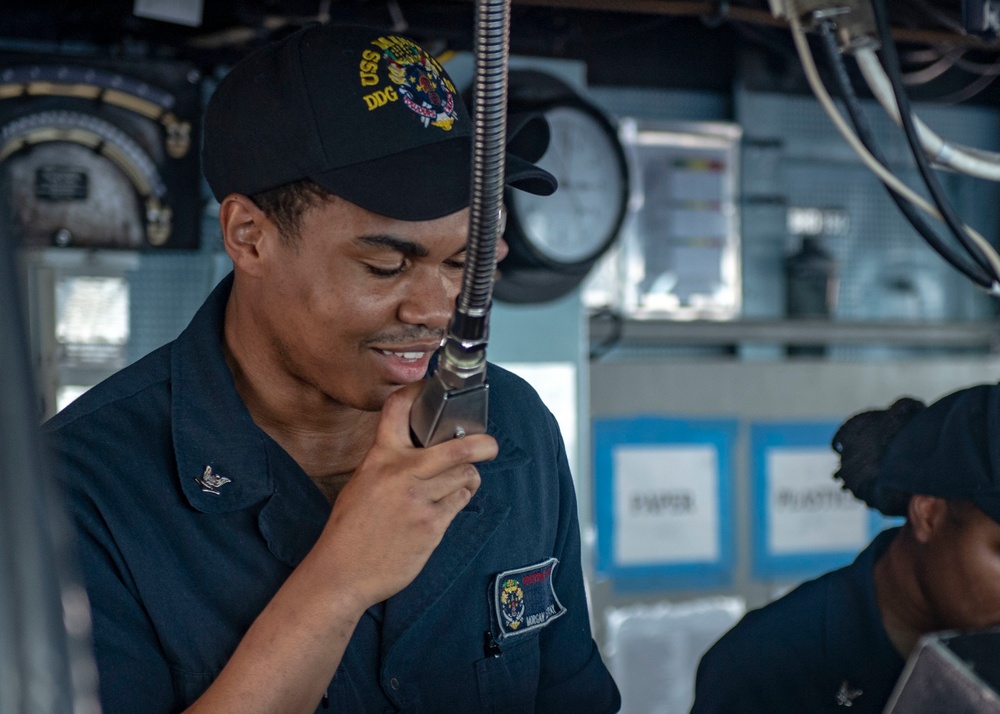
x,y
414,356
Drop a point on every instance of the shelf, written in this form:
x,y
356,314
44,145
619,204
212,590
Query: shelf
x,y
659,333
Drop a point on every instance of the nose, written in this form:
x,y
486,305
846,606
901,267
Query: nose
x,y
430,299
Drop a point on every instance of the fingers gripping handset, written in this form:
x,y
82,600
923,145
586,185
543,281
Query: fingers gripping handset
x,y
393,512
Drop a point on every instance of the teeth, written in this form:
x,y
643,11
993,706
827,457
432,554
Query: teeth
x,y
405,355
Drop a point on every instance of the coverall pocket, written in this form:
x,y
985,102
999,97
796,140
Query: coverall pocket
x,y
509,682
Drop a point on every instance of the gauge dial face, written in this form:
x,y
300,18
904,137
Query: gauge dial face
x,y
74,179
583,215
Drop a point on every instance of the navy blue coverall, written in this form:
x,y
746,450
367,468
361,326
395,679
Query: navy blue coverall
x,y
820,648
496,621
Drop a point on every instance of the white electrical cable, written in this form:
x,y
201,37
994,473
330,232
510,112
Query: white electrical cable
x,y
967,160
890,179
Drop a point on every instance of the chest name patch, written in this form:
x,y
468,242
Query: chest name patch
x,y
525,599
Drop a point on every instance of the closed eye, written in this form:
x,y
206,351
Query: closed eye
x,y
386,272
456,260
381,244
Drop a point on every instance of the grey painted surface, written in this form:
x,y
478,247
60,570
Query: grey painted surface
x,y
774,390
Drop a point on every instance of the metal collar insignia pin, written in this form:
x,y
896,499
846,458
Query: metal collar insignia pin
x,y
847,695
211,482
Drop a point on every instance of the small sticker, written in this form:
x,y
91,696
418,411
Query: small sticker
x,y
525,599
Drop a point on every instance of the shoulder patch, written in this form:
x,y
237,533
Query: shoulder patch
x,y
525,599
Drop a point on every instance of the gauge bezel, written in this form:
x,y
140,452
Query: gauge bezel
x,y
519,238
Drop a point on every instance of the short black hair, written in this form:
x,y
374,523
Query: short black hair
x,y
960,511
285,205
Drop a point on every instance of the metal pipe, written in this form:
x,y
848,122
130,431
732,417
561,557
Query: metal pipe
x,y
653,333
46,666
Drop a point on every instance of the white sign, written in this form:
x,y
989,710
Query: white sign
x,y
807,511
666,504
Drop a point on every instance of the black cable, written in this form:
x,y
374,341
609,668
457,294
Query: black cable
x,y
890,61
864,131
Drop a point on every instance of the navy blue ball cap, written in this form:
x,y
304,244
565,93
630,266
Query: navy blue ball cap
x,y
951,450
365,113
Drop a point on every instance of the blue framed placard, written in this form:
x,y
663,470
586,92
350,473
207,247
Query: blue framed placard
x,y
663,495
804,523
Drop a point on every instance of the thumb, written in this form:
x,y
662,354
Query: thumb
x,y
395,421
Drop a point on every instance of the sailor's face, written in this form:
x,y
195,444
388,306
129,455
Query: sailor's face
x,y
962,571
362,301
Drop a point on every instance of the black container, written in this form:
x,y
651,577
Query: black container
x,y
811,280
810,287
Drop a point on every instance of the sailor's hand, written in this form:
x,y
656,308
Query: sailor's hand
x,y
393,512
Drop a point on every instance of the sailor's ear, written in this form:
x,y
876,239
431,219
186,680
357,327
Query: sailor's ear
x,y
247,232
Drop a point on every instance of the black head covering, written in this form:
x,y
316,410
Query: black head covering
x,y
367,114
950,449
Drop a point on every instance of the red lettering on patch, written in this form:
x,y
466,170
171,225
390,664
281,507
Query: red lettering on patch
x,y
537,577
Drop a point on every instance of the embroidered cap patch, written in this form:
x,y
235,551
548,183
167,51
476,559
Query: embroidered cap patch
x,y
418,78
525,599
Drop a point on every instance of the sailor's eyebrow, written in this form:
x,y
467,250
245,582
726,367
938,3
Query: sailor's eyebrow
x,y
406,247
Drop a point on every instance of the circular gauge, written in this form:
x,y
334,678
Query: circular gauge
x,y
74,179
555,240
580,220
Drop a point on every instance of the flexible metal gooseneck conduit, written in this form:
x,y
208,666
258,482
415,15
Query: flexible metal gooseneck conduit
x,y
488,155
454,400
